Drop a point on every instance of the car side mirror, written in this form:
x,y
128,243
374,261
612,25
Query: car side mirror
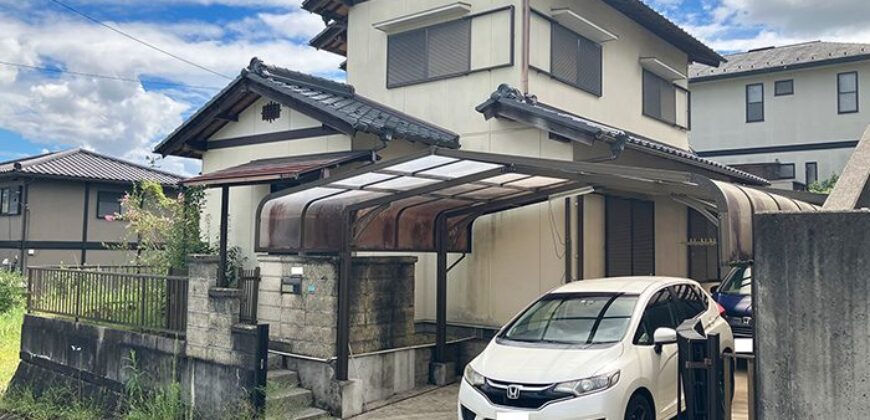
x,y
714,290
664,336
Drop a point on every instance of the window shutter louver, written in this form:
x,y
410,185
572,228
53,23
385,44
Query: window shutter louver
x,y
652,103
642,238
589,66
669,101
407,58
563,54
448,48
618,240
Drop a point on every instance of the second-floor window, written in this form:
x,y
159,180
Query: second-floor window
x,y
755,102
430,53
109,204
847,92
783,87
659,98
10,201
575,60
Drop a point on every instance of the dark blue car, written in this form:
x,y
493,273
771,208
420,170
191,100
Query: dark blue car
x,y
735,297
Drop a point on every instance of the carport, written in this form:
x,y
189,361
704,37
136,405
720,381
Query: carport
x,y
428,202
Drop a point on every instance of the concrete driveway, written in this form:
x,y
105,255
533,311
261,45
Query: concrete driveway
x,y
440,404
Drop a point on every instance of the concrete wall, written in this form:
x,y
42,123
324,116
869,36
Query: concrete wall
x,y
810,303
808,116
381,307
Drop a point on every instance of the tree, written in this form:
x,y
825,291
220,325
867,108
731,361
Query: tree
x,y
166,228
824,187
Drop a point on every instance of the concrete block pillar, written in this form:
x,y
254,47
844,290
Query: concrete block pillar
x,y
212,314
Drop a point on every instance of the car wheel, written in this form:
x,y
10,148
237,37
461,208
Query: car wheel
x,y
639,408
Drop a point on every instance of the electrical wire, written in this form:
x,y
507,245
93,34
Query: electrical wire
x,y
103,76
133,38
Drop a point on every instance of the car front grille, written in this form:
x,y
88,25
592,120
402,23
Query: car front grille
x,y
739,327
530,396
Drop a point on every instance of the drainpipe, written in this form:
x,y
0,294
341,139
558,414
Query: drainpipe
x,y
526,34
25,209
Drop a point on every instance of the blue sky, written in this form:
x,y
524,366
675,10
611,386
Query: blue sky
x,y
42,111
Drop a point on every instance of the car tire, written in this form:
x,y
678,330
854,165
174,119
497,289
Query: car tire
x,y
639,408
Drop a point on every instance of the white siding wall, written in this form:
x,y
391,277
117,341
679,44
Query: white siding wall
x,y
808,116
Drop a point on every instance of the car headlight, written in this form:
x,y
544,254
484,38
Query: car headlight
x,y
472,377
588,385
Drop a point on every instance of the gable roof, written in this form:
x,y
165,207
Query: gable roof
x,y
86,165
335,104
510,103
335,12
788,57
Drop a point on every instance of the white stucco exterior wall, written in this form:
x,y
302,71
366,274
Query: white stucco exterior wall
x,y
809,116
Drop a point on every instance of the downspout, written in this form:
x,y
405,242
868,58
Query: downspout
x,y
25,210
526,49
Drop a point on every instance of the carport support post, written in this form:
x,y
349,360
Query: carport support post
x,y
441,371
342,339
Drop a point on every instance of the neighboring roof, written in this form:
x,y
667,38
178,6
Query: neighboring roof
x,y
852,190
277,169
507,102
333,38
774,59
337,10
335,104
85,165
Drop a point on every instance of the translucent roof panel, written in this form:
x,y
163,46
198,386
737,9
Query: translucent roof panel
x,y
459,169
403,183
399,205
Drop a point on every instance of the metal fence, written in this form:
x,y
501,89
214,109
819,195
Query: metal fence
x,y
113,295
249,284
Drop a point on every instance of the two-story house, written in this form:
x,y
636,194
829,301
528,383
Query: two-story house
x,y
58,208
792,114
558,83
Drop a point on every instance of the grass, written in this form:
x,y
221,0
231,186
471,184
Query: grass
x,y
10,343
56,403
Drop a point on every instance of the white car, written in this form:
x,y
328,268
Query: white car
x,y
592,349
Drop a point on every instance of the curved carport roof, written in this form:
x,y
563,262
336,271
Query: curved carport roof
x,y
428,202
399,205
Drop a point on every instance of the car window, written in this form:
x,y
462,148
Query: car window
x,y
689,302
739,282
656,315
574,319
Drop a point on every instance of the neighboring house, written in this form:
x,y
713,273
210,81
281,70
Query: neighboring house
x,y
792,114
606,83
54,207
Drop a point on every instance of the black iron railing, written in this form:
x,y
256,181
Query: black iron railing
x,y
118,296
249,284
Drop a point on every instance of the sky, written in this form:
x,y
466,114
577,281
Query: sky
x,y
43,111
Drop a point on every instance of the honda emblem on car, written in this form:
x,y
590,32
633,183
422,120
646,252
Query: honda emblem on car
x,y
513,392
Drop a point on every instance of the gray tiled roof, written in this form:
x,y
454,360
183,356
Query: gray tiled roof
x,y
511,98
789,57
85,165
340,101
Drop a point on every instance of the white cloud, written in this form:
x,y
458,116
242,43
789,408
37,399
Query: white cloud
x,y
738,25
124,119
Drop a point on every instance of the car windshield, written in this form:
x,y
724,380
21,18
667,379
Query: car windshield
x,y
738,283
574,319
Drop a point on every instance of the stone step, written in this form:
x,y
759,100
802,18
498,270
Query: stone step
x,y
275,361
311,414
282,378
288,400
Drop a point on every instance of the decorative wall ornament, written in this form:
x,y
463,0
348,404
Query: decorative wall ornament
x,y
271,111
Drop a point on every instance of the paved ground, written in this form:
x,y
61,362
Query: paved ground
x,y
440,404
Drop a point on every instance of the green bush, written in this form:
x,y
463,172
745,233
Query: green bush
x,y
11,291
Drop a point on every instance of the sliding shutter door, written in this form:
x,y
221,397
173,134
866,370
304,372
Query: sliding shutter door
x,y
618,236
589,66
630,237
643,255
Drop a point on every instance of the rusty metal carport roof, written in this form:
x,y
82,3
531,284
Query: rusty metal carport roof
x,y
398,205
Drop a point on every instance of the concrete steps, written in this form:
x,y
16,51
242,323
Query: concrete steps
x,y
286,400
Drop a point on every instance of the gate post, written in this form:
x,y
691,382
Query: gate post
x,y
700,373
261,368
